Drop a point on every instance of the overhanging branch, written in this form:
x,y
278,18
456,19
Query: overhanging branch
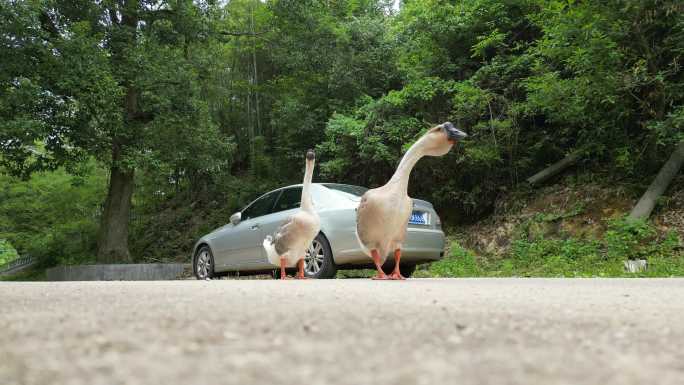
x,y
250,34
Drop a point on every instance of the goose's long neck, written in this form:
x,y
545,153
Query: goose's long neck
x,y
401,176
307,203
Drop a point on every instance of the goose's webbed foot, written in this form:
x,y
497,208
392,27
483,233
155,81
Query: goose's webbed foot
x,y
378,265
283,274
396,274
300,271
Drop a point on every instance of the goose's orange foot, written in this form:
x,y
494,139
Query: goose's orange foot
x,y
381,277
283,264
300,270
396,276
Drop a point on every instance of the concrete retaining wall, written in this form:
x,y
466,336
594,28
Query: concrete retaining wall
x,y
121,272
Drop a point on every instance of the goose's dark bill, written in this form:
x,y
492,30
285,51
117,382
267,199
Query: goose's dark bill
x,y
453,133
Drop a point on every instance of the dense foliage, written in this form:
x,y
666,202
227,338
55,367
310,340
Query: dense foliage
x,y
192,108
53,216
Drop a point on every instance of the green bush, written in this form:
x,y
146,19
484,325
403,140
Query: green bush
x,y
559,258
7,251
629,239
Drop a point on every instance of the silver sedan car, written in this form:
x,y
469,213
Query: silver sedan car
x,y
237,246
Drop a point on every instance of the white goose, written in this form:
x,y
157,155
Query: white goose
x,y
291,240
384,212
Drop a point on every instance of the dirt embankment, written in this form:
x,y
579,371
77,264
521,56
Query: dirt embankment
x,y
566,210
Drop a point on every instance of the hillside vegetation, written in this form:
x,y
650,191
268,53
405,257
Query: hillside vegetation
x,y
128,129
569,229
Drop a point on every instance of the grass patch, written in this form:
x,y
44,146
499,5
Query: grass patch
x,y
361,273
459,263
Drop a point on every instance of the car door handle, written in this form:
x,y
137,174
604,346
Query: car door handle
x,y
255,227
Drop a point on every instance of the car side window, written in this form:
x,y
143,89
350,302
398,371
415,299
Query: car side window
x,y
289,199
261,206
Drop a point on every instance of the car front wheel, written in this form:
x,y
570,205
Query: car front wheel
x,y
204,263
319,262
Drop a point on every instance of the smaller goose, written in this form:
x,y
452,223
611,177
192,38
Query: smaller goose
x,y
291,240
384,212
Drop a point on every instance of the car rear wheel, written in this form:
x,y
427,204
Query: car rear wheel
x,y
204,263
319,262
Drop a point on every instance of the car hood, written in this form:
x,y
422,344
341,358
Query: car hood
x,y
218,229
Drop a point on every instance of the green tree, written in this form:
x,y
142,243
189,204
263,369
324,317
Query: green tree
x,y
113,79
457,61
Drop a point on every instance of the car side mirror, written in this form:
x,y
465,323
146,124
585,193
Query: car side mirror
x,y
235,218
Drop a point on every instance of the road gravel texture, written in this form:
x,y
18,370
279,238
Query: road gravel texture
x,y
421,331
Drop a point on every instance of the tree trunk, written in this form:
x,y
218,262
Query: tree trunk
x,y
256,78
553,169
645,206
112,243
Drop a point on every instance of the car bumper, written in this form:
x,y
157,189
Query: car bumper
x,y
421,245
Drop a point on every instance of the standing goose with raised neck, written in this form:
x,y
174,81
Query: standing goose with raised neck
x,y
288,245
384,212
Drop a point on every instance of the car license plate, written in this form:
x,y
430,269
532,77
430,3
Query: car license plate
x,y
419,218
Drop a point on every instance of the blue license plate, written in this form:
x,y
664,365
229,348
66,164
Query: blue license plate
x,y
418,218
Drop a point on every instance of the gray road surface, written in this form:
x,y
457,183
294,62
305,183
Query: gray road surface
x,y
460,331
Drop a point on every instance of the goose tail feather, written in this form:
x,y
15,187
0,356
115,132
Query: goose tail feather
x,y
271,252
363,246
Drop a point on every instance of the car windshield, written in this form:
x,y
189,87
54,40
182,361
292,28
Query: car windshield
x,y
356,191
261,206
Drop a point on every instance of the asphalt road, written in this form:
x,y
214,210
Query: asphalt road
x,y
460,331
